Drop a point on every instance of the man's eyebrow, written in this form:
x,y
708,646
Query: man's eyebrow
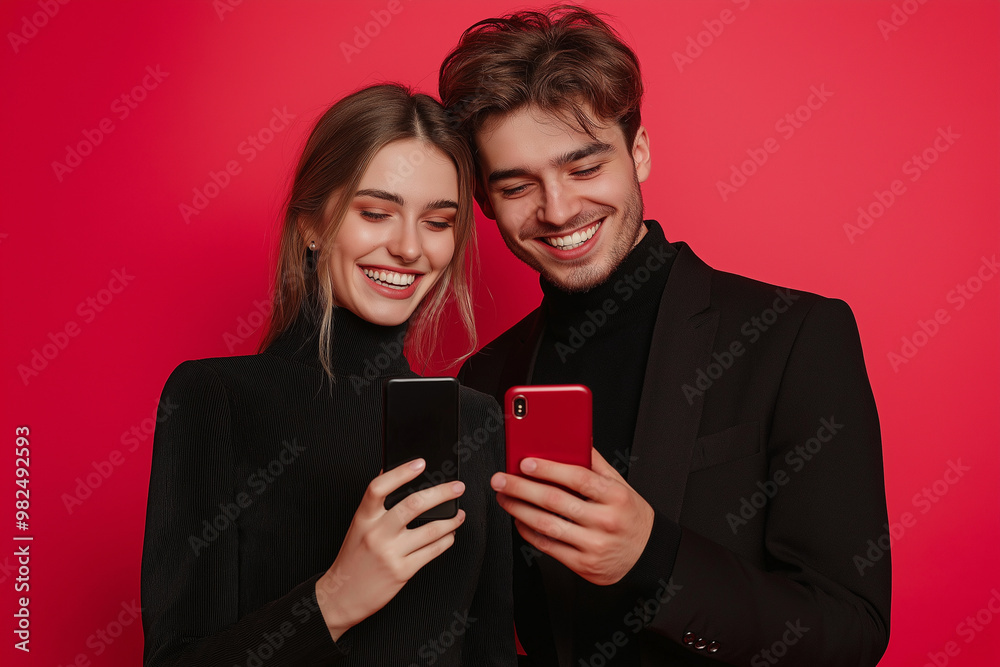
x,y
396,199
591,149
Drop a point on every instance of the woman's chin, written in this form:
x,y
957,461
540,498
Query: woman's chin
x,y
384,315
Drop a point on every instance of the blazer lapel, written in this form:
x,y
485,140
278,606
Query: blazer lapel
x,y
667,425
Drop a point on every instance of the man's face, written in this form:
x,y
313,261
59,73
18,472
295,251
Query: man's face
x,y
567,204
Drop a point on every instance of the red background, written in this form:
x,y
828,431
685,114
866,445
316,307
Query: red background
x,y
195,284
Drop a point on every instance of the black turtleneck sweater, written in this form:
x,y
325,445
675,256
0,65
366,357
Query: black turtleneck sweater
x,y
255,478
600,338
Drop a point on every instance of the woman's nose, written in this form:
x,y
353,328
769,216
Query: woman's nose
x,y
405,242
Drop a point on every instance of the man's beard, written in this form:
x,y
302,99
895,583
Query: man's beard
x,y
588,276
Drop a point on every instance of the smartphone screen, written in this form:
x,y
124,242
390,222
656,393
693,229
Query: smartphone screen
x,y
421,420
551,422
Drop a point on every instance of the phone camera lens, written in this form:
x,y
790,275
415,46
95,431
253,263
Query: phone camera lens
x,y
520,406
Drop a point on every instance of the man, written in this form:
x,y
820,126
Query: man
x,y
736,477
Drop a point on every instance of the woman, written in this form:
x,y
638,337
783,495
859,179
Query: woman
x,y
267,540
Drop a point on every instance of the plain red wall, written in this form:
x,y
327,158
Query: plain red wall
x,y
897,74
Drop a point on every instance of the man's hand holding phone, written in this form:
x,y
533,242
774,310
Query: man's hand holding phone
x,y
568,502
598,533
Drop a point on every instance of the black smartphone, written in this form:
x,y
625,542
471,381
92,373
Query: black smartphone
x,y
420,419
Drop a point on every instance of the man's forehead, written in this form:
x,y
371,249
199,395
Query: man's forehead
x,y
533,122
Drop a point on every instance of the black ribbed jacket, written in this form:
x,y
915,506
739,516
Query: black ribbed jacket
x,y
255,478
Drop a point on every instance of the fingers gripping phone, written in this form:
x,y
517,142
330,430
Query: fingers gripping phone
x,y
420,419
551,422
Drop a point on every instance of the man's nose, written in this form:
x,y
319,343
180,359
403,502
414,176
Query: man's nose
x,y
560,204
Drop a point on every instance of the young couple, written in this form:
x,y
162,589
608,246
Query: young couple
x,y
727,530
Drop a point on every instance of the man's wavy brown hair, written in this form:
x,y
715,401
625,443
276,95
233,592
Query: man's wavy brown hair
x,y
557,60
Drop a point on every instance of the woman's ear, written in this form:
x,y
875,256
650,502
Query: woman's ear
x,y
306,232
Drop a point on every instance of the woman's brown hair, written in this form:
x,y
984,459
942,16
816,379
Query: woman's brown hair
x,y
335,158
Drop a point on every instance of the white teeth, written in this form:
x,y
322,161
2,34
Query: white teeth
x,y
573,240
391,278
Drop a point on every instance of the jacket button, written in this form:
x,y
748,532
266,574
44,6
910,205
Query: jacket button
x,y
690,638
713,647
700,644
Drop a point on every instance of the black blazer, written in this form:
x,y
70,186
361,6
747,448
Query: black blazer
x,y
757,433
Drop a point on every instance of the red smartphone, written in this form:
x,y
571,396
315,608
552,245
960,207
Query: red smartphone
x,y
551,422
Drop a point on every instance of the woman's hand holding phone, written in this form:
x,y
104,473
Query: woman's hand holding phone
x,y
380,554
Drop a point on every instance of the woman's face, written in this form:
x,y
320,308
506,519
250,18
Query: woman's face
x,y
398,234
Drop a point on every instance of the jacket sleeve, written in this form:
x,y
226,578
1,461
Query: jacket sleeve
x,y
190,559
823,599
490,640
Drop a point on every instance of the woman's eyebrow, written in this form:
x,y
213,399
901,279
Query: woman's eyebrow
x,y
441,203
380,194
396,199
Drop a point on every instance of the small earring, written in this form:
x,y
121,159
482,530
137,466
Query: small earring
x,y
312,246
